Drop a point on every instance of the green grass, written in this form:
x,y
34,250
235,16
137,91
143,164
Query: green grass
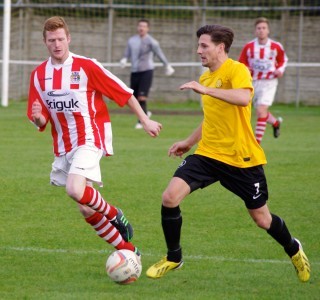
x,y
47,251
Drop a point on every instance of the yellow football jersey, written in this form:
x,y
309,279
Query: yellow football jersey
x,y
227,134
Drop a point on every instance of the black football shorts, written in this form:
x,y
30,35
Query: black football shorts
x,y
141,82
249,184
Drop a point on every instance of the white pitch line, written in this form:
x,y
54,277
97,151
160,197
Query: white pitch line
x,y
192,257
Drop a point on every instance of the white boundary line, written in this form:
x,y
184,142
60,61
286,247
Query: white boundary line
x,y
192,257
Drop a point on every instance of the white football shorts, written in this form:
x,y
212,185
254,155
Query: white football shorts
x,y
83,160
264,91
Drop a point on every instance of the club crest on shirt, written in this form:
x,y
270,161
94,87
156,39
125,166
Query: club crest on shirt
x,y
75,77
219,83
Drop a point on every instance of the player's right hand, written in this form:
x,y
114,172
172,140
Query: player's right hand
x,y
179,148
36,110
169,70
123,62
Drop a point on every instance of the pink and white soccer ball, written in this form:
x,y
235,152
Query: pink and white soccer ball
x,y
123,266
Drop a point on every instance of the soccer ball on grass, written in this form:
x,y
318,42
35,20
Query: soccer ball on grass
x,y
123,266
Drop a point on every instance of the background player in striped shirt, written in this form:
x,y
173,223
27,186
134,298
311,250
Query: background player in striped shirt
x,y
66,90
266,60
140,50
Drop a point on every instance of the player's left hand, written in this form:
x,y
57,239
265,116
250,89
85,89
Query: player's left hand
x,y
195,86
278,74
151,127
169,70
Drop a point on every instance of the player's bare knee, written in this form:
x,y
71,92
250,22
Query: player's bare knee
x,y
75,194
263,223
169,199
165,198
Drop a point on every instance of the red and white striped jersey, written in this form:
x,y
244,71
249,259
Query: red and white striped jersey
x,y
263,60
71,99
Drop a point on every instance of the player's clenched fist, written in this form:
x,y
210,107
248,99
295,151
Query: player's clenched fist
x,y
36,110
36,114
153,128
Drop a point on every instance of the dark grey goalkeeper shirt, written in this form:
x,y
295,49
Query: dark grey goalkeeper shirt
x,y
140,51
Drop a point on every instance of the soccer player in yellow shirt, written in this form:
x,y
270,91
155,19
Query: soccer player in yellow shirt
x,y
227,152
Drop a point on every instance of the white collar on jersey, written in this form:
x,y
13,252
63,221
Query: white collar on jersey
x,y
263,45
68,61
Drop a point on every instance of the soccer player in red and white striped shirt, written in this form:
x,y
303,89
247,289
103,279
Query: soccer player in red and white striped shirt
x,y
66,90
266,60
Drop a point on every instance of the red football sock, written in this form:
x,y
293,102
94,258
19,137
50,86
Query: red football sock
x,y
108,232
105,229
92,198
276,124
260,128
126,245
272,120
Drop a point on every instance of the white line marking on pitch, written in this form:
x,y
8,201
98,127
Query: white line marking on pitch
x,y
192,257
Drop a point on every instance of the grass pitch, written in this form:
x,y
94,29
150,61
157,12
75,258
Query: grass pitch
x,y
47,251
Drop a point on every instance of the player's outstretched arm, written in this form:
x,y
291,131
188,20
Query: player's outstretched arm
x,y
239,97
151,127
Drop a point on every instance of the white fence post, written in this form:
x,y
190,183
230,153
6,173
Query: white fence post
x,y
6,52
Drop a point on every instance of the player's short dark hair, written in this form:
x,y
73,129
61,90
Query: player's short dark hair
x,y
54,23
219,34
261,20
144,21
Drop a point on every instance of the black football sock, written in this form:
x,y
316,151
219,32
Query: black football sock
x,y
279,231
143,105
171,225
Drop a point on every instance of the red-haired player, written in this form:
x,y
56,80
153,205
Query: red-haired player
x,y
66,91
